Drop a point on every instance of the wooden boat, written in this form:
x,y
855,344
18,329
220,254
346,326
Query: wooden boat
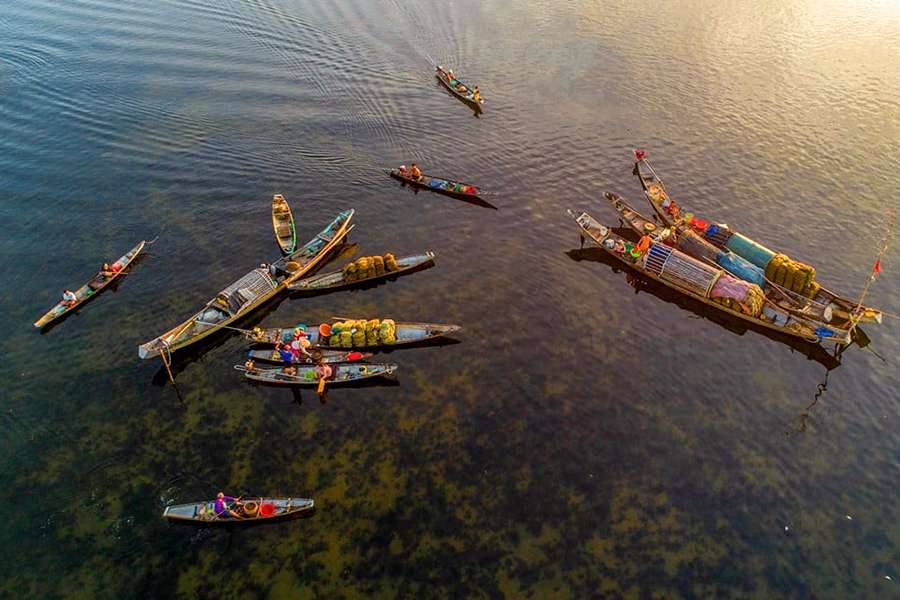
x,y
466,96
270,355
337,280
672,215
693,244
407,334
250,291
655,265
89,290
341,373
437,184
253,509
283,224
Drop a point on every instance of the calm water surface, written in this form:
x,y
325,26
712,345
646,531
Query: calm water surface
x,y
590,436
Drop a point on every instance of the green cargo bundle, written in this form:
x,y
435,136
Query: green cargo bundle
x,y
793,275
369,266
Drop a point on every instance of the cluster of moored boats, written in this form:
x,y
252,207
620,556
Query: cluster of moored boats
x,y
722,268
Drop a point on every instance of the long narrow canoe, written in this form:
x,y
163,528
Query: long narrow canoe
x,y
269,355
343,373
672,215
254,509
283,224
407,334
88,291
467,96
250,291
696,246
438,184
612,243
336,280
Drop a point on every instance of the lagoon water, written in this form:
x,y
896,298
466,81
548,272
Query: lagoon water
x,y
590,436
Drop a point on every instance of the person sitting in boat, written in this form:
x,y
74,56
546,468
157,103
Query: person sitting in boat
x,y
287,356
414,172
476,94
290,371
221,509
69,298
250,366
451,77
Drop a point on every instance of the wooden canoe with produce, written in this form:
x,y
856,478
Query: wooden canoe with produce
x,y
354,274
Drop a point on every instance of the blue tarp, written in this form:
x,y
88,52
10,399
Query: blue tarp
x,y
741,268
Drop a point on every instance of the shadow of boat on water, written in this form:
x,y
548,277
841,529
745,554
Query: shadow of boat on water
x,y
812,351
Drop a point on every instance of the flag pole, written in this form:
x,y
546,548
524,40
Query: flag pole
x,y
857,316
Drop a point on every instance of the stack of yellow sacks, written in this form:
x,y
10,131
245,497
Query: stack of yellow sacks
x,y
370,266
793,275
359,333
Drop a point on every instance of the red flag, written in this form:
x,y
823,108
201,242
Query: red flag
x,y
877,268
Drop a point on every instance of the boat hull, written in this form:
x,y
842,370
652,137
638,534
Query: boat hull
x,y
202,513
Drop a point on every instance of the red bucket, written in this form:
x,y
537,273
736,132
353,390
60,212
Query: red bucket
x,y
267,509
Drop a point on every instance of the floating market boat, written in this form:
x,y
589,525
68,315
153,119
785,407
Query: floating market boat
x,y
88,291
468,97
436,184
250,509
706,283
367,269
794,277
356,334
306,375
250,291
693,244
283,224
270,355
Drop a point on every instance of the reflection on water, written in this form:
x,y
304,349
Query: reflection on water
x,y
585,439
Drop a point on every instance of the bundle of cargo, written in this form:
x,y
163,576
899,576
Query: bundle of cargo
x,y
359,333
738,294
367,267
793,275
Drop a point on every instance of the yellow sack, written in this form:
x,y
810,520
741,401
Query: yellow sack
x,y
378,261
789,273
372,338
346,339
359,338
390,262
372,325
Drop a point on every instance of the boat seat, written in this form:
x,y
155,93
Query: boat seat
x,y
284,230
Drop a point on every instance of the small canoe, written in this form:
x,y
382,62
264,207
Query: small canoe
x,y
407,334
283,224
682,273
250,292
269,355
251,509
342,373
89,290
437,184
338,280
466,96
673,215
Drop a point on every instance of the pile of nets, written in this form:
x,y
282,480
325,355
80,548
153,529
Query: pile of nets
x,y
359,333
793,275
738,295
370,266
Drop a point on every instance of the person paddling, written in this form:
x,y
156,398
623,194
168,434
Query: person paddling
x,y
220,508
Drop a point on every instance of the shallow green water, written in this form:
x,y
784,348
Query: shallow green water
x,y
590,435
